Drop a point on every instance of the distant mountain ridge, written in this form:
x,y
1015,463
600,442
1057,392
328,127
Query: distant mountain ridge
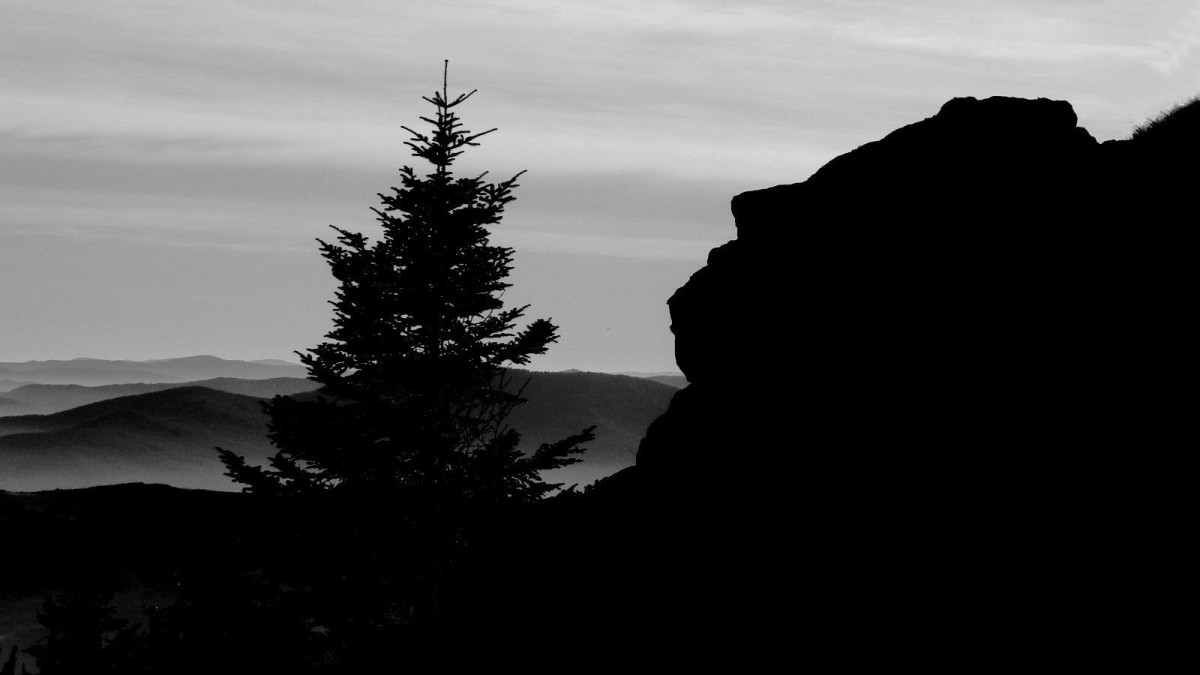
x,y
45,399
563,403
98,372
165,433
677,381
142,535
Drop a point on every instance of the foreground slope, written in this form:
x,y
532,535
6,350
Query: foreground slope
x,y
137,540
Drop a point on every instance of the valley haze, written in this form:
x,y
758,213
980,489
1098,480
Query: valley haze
x,y
87,422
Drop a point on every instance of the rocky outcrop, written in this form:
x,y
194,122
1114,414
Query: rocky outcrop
x,y
982,323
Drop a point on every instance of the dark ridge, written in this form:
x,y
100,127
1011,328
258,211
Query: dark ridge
x,y
169,403
1178,125
137,540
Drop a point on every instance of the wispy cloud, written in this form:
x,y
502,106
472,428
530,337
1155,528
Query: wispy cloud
x,y
649,248
250,125
1176,49
1025,32
656,84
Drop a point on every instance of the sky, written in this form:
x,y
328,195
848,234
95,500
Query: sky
x,y
166,166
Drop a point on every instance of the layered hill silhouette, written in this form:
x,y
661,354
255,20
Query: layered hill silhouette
x,y
43,399
560,404
158,437
96,372
167,434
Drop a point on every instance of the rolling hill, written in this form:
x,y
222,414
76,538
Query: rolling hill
x,y
11,406
46,399
159,437
168,436
561,404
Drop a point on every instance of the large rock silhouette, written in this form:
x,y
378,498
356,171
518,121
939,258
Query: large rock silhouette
x,y
937,413
980,325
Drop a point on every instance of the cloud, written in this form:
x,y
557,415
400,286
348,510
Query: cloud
x,y
1175,50
648,248
623,215
1019,32
766,90
250,125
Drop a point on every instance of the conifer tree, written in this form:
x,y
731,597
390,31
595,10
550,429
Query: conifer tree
x,y
407,437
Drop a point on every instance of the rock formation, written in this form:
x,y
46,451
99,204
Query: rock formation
x,y
981,324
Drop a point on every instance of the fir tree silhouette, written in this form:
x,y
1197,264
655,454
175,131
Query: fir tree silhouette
x,y
380,477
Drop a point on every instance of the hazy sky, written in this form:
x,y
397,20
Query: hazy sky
x,y
166,165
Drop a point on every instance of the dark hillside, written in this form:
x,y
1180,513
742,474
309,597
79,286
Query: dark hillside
x,y
561,404
136,540
1179,126
163,436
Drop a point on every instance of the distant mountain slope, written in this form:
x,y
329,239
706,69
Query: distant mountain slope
x,y
671,378
564,403
51,398
63,372
561,404
209,367
168,436
677,381
95,372
165,437
10,406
